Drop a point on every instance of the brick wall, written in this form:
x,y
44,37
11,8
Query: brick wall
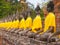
x,y
58,20
57,13
0,40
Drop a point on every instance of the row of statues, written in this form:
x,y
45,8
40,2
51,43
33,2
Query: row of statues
x,y
33,27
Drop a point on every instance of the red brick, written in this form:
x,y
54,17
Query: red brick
x,y
0,40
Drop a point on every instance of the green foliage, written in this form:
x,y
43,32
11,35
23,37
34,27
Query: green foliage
x,y
9,8
33,14
42,14
4,8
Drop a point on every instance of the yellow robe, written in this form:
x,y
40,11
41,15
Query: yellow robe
x,y
6,25
2,25
9,25
50,21
37,23
28,22
15,24
22,24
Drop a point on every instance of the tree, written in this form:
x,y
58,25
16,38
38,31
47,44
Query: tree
x,y
4,8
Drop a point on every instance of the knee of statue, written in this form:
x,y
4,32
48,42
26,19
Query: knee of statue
x,y
44,37
28,33
53,39
31,35
37,37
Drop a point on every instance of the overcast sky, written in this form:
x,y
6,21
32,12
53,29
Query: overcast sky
x,y
35,2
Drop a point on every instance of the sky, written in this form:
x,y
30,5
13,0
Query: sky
x,y
35,2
